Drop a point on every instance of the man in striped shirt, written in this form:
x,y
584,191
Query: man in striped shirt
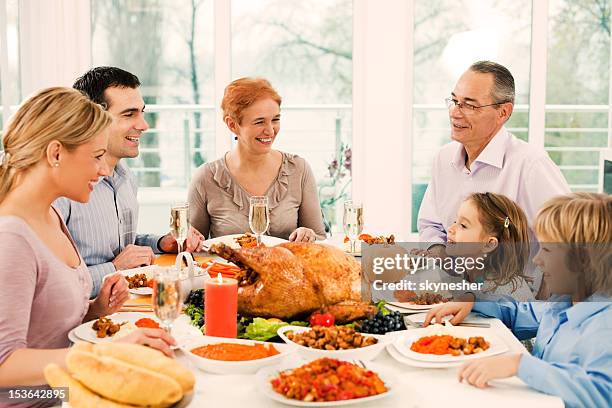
x,y
104,229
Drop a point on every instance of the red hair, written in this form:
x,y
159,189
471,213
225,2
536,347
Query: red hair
x,y
243,92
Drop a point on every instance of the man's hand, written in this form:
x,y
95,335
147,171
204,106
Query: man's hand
x,y
155,338
480,372
193,243
303,234
112,295
134,256
459,309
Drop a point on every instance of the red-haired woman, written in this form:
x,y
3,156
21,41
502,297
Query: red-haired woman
x,y
220,190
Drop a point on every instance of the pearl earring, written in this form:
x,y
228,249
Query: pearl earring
x,y
56,164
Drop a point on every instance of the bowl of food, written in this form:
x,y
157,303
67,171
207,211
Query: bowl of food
x,y
325,382
333,342
233,356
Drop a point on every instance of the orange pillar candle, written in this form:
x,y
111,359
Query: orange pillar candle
x,y
221,307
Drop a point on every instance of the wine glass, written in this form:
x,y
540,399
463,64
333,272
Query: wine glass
x,y
352,221
179,223
259,216
167,300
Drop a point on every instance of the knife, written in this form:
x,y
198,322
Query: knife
x,y
419,325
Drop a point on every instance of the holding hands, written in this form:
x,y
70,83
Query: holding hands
x,y
112,296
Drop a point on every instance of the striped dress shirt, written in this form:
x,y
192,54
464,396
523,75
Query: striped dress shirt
x,y
106,224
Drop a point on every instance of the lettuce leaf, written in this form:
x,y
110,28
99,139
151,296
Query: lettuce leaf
x,y
264,329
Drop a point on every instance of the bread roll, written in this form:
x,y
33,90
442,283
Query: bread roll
x,y
149,358
78,395
122,382
83,346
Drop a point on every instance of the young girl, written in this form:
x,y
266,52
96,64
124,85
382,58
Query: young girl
x,y
572,357
493,226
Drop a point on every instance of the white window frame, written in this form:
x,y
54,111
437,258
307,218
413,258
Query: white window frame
x,y
55,47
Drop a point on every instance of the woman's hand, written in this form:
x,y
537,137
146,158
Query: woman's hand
x,y
112,296
479,372
158,339
459,309
303,234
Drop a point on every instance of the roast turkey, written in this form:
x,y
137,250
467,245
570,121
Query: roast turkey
x,y
294,279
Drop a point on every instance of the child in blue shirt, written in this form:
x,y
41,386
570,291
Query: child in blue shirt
x,y
572,356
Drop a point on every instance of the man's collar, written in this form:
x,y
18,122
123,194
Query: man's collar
x,y
583,310
121,169
118,174
493,153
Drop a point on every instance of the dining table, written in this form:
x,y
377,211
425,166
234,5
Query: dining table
x,y
413,386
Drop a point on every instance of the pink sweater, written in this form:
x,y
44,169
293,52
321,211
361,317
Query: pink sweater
x,y
41,298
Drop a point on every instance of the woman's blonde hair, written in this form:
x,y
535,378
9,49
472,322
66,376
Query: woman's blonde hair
x,y
582,223
62,114
506,221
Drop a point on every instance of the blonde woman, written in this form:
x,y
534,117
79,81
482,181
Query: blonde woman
x,y
572,356
54,146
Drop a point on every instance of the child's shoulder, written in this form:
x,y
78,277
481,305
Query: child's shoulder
x,y
599,319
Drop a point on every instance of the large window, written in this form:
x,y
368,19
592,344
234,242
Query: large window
x,y
449,36
577,88
305,49
169,46
10,84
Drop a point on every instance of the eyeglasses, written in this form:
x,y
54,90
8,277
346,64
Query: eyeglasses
x,y
466,108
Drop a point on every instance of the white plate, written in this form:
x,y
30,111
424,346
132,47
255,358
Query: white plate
x,y
409,307
232,367
363,353
148,271
265,375
397,356
229,241
141,291
404,341
86,333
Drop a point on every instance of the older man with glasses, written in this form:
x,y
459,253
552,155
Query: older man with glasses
x,y
484,156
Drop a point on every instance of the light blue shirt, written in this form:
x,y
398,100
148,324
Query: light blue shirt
x,y
106,224
572,356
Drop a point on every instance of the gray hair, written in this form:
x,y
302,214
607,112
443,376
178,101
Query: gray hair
x,y
503,86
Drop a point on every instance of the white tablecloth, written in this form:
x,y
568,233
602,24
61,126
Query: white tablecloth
x,y
417,387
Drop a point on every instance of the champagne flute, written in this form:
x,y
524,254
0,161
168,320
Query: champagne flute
x,y
352,221
179,223
259,216
167,300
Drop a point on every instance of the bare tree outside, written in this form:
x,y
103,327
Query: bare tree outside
x,y
130,28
